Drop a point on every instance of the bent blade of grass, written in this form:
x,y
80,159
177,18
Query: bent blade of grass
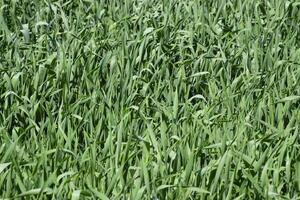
x,y
3,166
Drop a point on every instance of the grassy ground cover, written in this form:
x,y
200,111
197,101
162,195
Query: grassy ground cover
x,y
149,99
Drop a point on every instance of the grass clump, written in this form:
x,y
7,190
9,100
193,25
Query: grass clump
x,y
149,99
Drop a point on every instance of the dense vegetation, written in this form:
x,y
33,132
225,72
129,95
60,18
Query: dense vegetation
x,y
149,99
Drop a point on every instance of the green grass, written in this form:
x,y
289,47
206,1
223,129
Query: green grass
x,y
149,99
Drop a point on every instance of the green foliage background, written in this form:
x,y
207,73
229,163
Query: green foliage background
x,y
149,99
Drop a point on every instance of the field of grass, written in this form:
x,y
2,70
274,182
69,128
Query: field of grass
x,y
149,99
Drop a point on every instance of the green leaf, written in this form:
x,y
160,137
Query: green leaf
x,y
76,195
3,166
289,98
